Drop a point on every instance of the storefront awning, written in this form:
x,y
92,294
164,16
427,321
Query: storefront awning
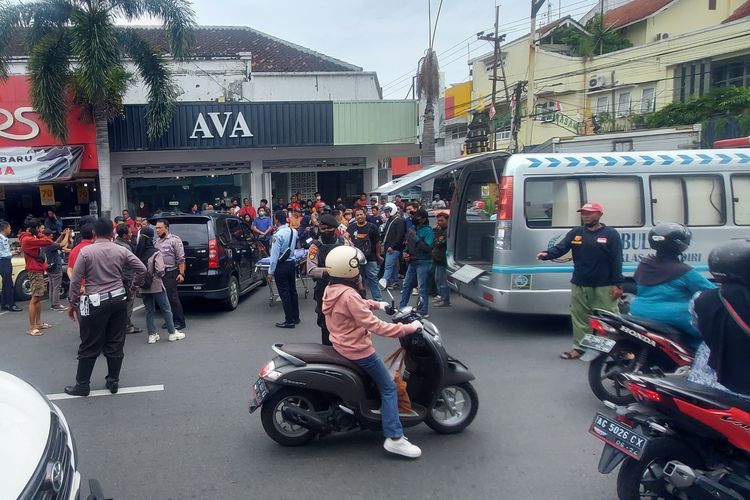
x,y
423,175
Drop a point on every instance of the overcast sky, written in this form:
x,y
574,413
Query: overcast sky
x,y
387,36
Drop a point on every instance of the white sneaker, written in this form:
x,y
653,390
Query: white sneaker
x,y
153,338
414,292
177,335
402,446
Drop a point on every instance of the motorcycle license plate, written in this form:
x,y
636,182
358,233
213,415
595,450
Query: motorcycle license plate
x,y
260,393
619,436
597,343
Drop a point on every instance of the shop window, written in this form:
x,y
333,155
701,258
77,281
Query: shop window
x,y
413,160
458,132
694,200
553,202
648,100
305,183
731,73
741,199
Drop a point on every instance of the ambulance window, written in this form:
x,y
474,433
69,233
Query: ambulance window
x,y
552,202
694,200
621,196
741,199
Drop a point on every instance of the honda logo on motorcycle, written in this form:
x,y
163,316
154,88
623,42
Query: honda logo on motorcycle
x,y
637,335
18,116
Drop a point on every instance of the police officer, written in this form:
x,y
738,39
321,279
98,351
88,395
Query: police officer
x,y
316,266
101,310
283,268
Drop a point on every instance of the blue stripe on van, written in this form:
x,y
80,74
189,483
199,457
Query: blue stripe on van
x,y
551,269
631,159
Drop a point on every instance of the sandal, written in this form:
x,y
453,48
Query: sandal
x,y
44,326
35,332
573,354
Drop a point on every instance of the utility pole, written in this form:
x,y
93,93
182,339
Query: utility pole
x,y
496,60
515,124
536,5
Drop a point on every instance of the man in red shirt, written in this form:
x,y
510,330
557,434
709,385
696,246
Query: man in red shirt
x,y
319,203
361,202
247,208
32,241
87,238
132,224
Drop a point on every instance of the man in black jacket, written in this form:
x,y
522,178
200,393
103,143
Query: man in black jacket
x,y
124,238
393,242
597,271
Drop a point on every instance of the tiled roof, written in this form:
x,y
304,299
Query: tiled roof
x,y
269,54
551,26
633,12
742,11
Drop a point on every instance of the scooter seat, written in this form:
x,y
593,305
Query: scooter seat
x,y
658,327
708,394
318,353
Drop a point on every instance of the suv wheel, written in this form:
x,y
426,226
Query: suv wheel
x,y
233,299
23,287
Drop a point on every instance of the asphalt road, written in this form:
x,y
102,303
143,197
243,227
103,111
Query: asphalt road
x,y
195,438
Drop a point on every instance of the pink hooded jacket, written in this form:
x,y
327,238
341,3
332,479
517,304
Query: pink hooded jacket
x,y
350,320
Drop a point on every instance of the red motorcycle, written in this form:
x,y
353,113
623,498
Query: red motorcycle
x,y
680,440
628,344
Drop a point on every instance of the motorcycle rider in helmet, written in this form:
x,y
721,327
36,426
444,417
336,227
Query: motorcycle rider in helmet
x,y
722,316
350,321
665,283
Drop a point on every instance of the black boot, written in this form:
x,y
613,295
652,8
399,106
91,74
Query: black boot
x,y
113,374
83,377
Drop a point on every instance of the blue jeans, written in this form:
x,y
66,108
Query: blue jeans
x,y
149,301
417,275
391,267
371,280
441,282
377,370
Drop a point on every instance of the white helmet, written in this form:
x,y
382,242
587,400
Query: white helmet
x,y
392,207
345,262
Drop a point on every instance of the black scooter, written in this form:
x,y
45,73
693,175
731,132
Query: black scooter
x,y
310,390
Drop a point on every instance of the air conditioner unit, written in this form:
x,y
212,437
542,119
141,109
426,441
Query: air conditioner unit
x,y
597,82
662,36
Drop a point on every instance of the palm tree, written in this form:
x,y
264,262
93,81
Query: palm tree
x,y
78,55
428,87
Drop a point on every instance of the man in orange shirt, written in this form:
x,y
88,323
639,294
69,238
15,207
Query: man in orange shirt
x,y
32,241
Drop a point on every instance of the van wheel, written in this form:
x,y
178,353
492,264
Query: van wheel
x,y
233,299
22,287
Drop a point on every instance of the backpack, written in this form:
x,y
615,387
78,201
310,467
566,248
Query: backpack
x,y
148,278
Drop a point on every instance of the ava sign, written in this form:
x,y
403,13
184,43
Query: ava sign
x,y
217,126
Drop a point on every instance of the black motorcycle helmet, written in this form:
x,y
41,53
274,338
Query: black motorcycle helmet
x,y
730,262
670,238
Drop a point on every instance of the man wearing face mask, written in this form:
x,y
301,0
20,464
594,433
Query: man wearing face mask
x,y
597,270
316,266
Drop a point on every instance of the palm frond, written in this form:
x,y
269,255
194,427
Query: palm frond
x,y
44,16
177,16
11,17
94,44
428,76
153,69
49,75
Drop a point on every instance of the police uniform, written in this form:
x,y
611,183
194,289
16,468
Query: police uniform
x,y
102,308
316,262
285,272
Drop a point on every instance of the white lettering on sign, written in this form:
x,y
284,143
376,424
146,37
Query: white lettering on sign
x,y
202,129
18,116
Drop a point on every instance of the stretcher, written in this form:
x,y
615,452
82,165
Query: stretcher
x,y
300,259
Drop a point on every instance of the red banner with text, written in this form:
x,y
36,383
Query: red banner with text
x,y
20,127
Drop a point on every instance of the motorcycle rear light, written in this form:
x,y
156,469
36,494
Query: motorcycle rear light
x,y
267,369
641,393
599,327
213,254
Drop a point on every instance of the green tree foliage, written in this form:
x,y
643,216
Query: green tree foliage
x,y
597,40
723,101
76,50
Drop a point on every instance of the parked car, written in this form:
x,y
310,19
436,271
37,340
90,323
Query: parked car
x,y
221,253
38,458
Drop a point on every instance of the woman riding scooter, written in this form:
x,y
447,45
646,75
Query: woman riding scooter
x,y
665,283
723,317
350,321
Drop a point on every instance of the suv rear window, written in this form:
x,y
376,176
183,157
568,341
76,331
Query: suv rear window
x,y
192,233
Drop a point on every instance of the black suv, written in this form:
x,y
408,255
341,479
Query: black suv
x,y
220,256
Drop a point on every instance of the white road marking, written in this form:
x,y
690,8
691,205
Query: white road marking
x,y
138,308
105,392
4,313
